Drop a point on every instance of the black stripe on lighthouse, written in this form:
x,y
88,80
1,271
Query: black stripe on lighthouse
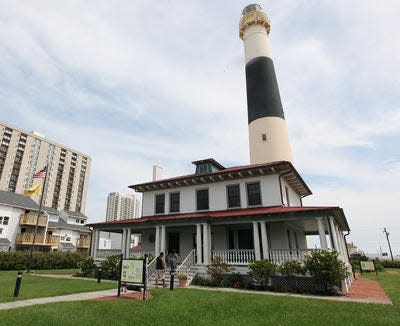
x,y
263,99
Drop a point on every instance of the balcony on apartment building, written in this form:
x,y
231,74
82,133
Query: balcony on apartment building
x,y
30,219
40,239
83,243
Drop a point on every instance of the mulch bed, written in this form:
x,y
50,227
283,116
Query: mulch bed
x,y
125,296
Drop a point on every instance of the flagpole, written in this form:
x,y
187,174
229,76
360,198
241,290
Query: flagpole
x,y
37,220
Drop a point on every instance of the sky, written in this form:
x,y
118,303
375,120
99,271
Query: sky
x,y
137,83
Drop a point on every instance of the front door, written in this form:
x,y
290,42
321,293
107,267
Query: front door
x,y
173,241
245,239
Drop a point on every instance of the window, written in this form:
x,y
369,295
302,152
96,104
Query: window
x,y
174,202
4,220
1,231
253,194
202,199
264,137
160,203
289,239
287,196
233,194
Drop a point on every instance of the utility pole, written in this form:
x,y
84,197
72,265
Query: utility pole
x,y
387,238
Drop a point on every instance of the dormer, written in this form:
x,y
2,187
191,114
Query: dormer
x,y
208,165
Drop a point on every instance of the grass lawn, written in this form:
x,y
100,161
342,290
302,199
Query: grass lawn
x,y
390,281
198,307
38,287
57,271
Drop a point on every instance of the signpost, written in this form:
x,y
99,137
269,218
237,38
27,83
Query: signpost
x,y
368,266
133,271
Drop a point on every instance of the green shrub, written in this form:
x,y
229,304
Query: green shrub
x,y
390,264
327,269
291,268
86,266
111,266
217,270
19,260
198,280
379,266
261,271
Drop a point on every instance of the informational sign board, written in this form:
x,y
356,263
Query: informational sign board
x,y
132,271
367,266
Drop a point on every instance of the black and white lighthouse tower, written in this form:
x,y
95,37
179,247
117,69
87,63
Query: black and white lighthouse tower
x,y
268,135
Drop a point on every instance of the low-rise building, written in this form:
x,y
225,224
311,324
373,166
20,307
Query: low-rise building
x,y
64,231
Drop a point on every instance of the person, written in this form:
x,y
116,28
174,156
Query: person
x,y
160,269
172,260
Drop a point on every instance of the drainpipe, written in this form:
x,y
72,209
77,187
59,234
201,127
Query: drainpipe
x,y
348,255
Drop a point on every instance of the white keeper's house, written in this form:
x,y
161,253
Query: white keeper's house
x,y
239,213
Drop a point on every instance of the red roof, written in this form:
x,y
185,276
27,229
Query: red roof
x,y
231,213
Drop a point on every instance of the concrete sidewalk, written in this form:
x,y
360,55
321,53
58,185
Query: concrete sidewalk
x,y
60,298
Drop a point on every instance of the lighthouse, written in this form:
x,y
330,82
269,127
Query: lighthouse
x,y
268,135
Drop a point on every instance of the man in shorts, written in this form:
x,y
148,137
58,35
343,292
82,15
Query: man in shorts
x,y
160,269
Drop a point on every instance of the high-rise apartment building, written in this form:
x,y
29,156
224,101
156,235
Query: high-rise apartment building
x,y
121,207
24,153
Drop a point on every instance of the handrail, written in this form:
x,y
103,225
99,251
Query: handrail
x,y
187,263
151,268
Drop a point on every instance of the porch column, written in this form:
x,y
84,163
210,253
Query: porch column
x,y
209,240
198,244
95,240
123,242
256,240
157,241
163,236
128,242
333,233
264,240
340,242
205,244
321,231
92,242
346,257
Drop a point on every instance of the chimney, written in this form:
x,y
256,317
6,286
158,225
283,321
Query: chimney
x,y
157,172
268,135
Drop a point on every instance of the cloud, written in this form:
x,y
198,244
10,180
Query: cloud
x,y
137,84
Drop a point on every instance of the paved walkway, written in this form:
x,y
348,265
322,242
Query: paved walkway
x,y
368,290
61,298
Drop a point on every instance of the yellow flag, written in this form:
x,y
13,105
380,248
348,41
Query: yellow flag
x,y
35,189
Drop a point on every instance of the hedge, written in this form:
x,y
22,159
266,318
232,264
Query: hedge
x,y
40,260
390,264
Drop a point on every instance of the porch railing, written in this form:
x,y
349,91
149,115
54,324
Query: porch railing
x,y
140,253
246,256
235,256
104,253
151,269
284,255
188,262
